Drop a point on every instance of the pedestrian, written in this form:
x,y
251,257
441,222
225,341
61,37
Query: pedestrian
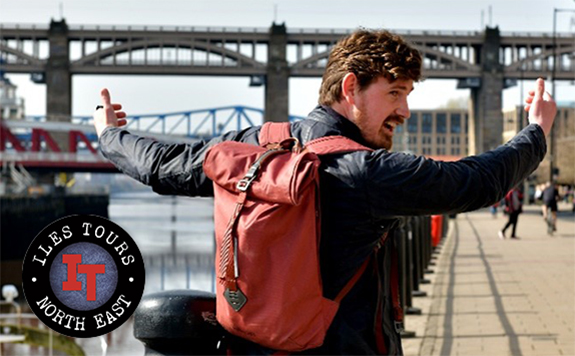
x,y
363,96
513,207
538,192
550,199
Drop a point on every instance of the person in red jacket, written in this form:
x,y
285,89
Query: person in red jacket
x,y
513,207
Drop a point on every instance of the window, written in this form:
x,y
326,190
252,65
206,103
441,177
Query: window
x,y
426,123
455,123
412,124
441,123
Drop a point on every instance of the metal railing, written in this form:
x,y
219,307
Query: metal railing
x,y
167,331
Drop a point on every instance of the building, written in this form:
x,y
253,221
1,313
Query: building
x,y
516,118
11,107
435,133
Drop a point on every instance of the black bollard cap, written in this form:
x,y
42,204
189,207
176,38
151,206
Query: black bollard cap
x,y
178,322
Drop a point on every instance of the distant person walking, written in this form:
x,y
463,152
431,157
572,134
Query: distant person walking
x,y
550,198
513,207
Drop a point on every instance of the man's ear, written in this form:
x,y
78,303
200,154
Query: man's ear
x,y
348,87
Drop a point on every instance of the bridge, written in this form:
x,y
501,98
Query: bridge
x,y
486,62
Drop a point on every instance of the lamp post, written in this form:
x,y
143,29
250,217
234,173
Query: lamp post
x,y
553,78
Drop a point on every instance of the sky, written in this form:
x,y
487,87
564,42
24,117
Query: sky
x,y
164,94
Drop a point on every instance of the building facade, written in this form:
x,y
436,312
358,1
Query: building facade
x,y
11,106
564,131
435,133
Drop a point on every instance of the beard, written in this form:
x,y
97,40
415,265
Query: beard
x,y
376,137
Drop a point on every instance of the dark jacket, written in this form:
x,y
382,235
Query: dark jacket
x,y
362,195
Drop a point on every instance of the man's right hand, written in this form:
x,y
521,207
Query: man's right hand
x,y
109,115
541,107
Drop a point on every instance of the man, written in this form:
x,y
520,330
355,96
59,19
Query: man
x,y
550,197
363,96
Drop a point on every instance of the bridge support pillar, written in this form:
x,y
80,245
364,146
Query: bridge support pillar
x,y
59,80
486,116
277,79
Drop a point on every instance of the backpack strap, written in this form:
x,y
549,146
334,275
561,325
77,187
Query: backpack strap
x,y
273,132
334,144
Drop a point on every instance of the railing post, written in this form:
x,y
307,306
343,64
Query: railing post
x,y
408,265
417,269
400,237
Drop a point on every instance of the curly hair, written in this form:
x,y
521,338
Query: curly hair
x,y
368,54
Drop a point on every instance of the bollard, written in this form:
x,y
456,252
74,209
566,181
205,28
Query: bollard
x,y
417,273
179,322
428,246
436,229
399,242
423,238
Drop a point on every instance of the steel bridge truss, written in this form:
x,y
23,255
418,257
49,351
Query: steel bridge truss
x,y
34,133
244,51
33,142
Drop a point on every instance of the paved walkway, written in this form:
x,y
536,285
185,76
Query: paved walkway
x,y
499,297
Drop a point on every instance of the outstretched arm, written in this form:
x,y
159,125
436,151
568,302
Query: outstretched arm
x,y
402,184
175,169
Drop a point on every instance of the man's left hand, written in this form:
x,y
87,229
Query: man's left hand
x,y
109,115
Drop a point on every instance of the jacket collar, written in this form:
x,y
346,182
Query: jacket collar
x,y
337,122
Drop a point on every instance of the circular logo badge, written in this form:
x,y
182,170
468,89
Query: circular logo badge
x,y
83,276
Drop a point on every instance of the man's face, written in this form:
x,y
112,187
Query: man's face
x,y
380,108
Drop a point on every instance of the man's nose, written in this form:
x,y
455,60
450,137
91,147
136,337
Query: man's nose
x,y
403,110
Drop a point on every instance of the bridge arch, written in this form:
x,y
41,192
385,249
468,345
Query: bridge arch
x,y
445,58
426,52
21,55
127,47
548,53
310,60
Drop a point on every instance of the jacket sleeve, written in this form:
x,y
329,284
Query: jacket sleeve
x,y
403,184
175,169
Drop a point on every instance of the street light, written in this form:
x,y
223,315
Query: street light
x,y
553,78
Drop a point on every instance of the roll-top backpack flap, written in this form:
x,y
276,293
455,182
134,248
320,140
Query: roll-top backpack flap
x,y
286,174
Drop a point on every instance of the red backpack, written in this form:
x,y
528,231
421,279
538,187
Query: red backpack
x,y
267,224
